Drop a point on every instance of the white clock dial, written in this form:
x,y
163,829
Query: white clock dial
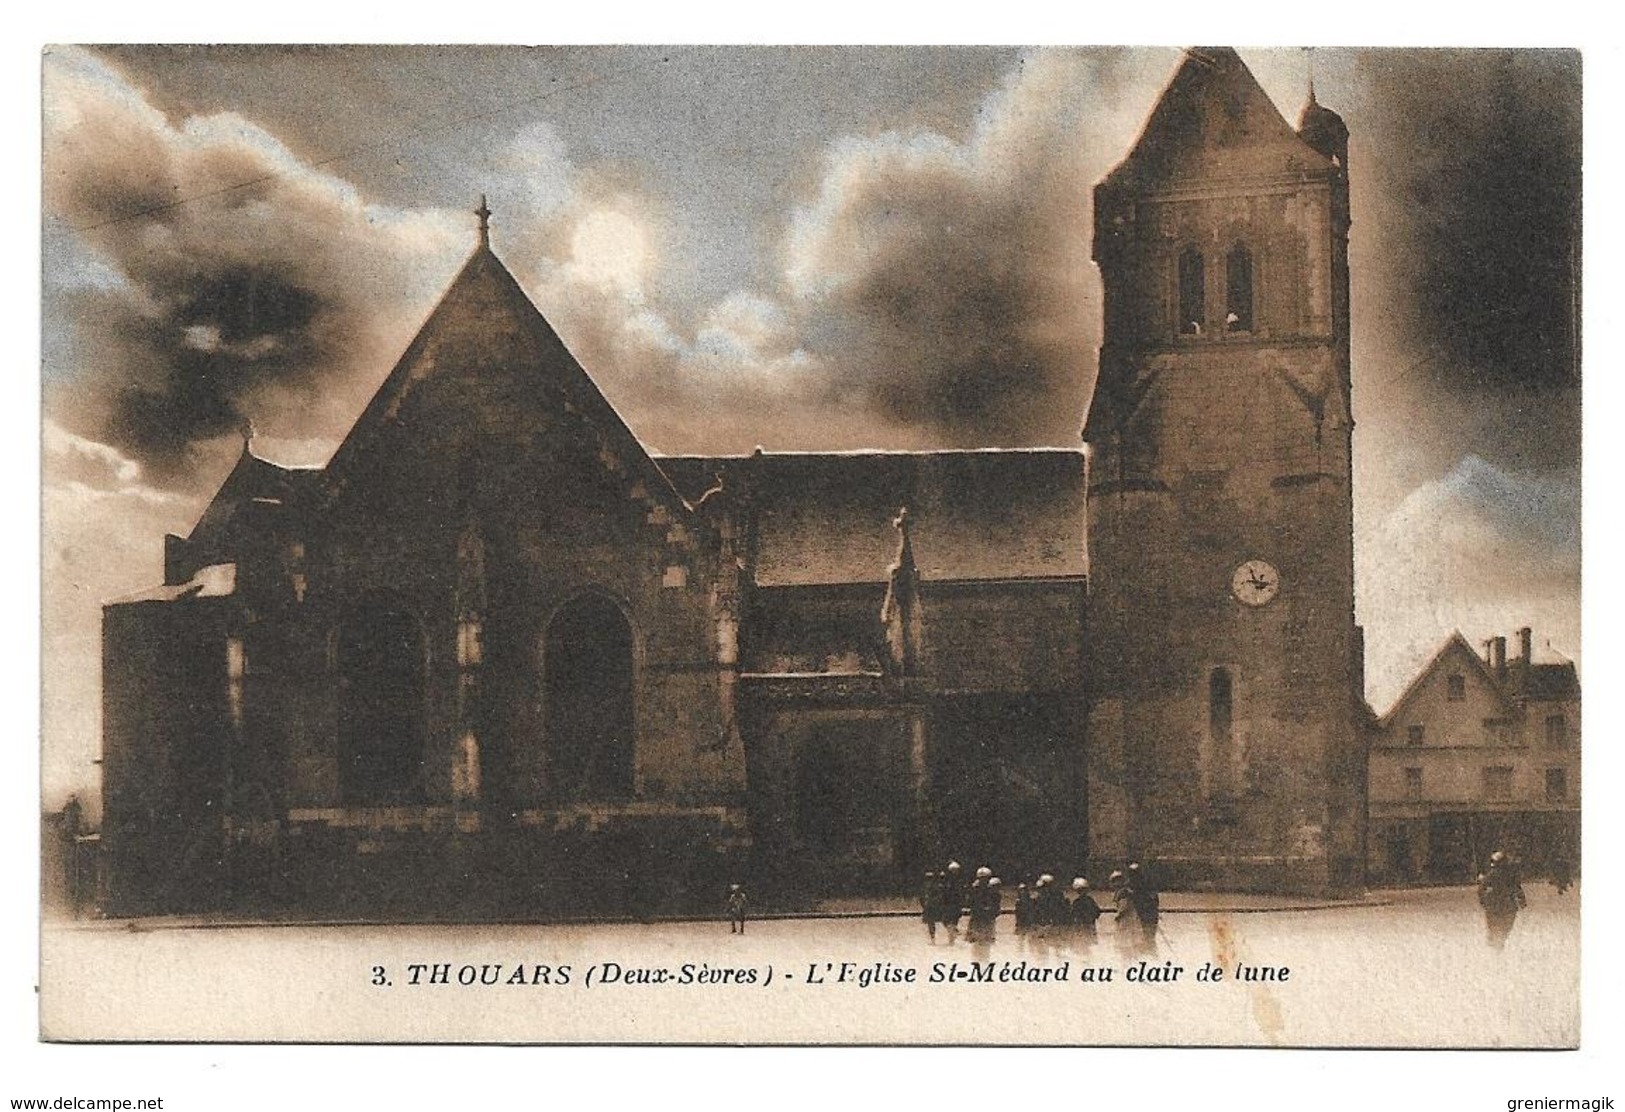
x,y
1255,583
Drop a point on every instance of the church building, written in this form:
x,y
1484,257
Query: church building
x,y
496,658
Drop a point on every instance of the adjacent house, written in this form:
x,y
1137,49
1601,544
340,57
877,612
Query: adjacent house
x,y
1480,753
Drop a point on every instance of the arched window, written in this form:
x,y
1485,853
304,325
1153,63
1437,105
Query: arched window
x,y
587,697
470,657
1238,284
1221,731
380,675
1192,292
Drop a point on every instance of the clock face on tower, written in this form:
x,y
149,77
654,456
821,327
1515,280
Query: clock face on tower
x,y
1255,583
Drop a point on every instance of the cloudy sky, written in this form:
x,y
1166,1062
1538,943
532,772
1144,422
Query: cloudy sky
x,y
802,249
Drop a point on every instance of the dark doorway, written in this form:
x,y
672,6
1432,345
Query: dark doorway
x,y
380,667
1007,783
1450,854
821,801
588,700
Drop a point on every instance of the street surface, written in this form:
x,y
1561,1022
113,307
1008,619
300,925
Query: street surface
x,y
1409,968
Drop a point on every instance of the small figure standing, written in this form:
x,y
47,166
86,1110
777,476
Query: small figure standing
x,y
1501,895
953,899
1024,914
1147,904
987,901
736,909
1130,934
1051,917
1562,871
1082,914
976,904
931,904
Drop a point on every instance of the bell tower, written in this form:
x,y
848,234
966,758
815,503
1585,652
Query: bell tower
x,y
1226,668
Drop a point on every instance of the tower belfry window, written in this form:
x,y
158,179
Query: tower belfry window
x,y
1238,284
1192,292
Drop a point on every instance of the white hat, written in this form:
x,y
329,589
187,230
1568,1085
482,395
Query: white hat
x,y
984,872
1079,883
1047,878
953,864
993,881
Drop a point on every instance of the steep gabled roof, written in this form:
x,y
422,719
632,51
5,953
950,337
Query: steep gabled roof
x,y
252,480
486,319
1454,645
1213,121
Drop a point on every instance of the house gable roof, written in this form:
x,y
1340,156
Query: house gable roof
x,y
1455,647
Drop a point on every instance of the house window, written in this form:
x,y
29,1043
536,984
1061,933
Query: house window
x,y
1557,732
1192,292
1455,688
1498,782
1413,783
1497,731
1414,734
1557,785
1238,284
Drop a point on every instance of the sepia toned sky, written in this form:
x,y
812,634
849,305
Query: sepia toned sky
x,y
799,248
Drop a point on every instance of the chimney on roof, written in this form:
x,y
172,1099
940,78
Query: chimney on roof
x,y
1498,657
1525,644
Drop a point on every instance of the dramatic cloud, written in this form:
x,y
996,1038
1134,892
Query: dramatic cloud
x,y
935,291
224,281
1503,551
946,286
1477,226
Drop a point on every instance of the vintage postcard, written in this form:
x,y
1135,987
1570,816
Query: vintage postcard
x,y
885,545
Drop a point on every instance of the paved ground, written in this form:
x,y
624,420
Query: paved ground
x,y
1405,968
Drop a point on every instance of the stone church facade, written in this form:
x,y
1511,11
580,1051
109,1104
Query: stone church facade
x,y
495,658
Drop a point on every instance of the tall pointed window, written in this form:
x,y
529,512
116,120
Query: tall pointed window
x,y
587,692
1238,284
381,675
1192,292
470,655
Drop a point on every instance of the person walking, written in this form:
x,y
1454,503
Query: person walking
x,y
1024,914
1051,917
987,901
1082,913
931,904
1562,871
1147,904
1501,895
953,899
1128,931
736,909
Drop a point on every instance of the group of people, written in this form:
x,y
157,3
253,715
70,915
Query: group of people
x,y
1045,913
